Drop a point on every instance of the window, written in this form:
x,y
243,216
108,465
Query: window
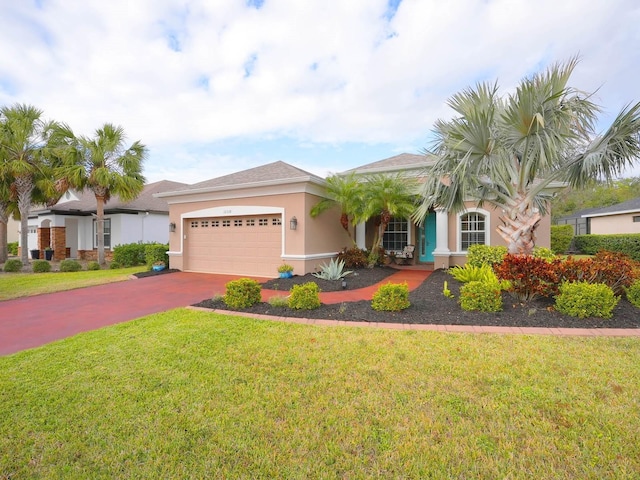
x,y
204,223
396,237
215,223
276,221
194,224
636,219
226,223
263,221
472,230
251,222
237,223
107,233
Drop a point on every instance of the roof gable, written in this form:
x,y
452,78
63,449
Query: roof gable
x,y
404,161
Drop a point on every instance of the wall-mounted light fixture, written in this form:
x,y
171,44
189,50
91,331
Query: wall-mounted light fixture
x,y
172,227
293,223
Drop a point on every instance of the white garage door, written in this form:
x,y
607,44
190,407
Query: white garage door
x,y
246,245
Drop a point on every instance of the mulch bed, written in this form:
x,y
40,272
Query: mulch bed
x,y
430,306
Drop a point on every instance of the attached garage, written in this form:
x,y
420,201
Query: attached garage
x,y
238,245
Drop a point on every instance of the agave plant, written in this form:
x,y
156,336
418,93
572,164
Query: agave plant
x,y
333,271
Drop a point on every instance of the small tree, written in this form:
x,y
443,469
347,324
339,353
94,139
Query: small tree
x,y
345,192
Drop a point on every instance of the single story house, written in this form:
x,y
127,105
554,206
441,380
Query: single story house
x,y
578,221
250,222
619,218
69,226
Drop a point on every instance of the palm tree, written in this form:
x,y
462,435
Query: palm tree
x,y
106,167
30,148
510,152
6,207
344,192
384,197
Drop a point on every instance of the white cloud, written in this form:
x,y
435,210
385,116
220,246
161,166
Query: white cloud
x,y
184,76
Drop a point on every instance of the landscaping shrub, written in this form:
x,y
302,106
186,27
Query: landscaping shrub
x,y
130,254
391,297
633,293
12,248
333,271
69,265
479,255
242,293
582,300
628,244
353,257
114,265
13,265
544,253
278,301
41,266
615,269
530,277
470,273
305,296
93,266
481,296
561,237
156,252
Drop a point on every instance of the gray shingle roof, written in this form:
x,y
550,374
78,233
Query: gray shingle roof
x,y
271,172
629,205
145,202
404,161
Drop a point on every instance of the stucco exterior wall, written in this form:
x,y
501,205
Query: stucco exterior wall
x,y
614,224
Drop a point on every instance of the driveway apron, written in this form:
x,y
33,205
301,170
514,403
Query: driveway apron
x,y
33,321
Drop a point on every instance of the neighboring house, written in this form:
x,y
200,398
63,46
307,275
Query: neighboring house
x,y
13,230
620,218
249,222
578,221
69,226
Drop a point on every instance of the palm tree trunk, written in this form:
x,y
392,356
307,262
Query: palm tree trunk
x,y
519,230
24,188
100,227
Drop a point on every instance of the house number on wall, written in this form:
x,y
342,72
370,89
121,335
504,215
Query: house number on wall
x,y
227,211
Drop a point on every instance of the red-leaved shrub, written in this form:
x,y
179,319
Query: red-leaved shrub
x,y
530,277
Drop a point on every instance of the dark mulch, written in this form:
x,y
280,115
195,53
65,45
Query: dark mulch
x,y
360,278
153,273
430,306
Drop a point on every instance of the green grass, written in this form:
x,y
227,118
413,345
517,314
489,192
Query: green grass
x,y
15,285
188,394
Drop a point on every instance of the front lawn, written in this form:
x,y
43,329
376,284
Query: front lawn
x,y
15,285
188,394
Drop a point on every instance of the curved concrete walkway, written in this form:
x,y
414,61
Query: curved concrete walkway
x,y
34,321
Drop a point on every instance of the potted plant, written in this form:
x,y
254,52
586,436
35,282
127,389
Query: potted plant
x,y
48,253
285,270
158,266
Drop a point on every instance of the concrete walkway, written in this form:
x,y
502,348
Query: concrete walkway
x,y
34,321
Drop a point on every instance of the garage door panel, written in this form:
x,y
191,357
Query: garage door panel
x,y
249,245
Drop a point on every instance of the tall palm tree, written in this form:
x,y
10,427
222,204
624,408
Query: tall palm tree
x,y
6,208
104,165
510,152
30,148
386,196
344,192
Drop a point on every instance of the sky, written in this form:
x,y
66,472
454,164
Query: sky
x,y
213,87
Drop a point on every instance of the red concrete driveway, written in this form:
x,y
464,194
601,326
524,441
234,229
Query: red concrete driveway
x,y
33,321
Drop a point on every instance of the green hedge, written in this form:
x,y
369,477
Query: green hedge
x,y
132,254
156,252
628,244
561,236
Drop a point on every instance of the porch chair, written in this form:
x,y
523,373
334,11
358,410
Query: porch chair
x,y
406,256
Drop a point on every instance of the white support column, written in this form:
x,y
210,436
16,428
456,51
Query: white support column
x,y
360,235
442,253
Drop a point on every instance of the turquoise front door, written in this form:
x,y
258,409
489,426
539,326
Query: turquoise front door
x,y
427,238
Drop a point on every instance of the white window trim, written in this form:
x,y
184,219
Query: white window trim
x,y
410,227
487,228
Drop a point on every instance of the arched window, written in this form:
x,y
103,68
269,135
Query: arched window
x,y
473,230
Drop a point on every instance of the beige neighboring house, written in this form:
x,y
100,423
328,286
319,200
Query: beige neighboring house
x,y
250,222
620,218
13,230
